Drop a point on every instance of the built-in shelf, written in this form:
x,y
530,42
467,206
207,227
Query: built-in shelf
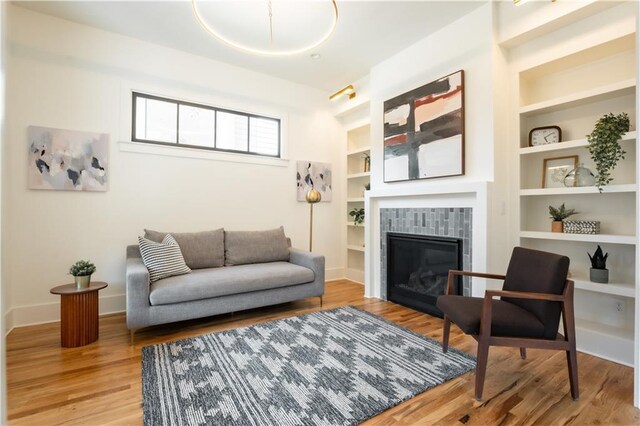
x,y
605,341
609,189
590,238
577,143
358,175
616,289
610,91
357,180
360,150
360,225
622,333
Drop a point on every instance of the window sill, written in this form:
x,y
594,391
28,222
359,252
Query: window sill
x,y
178,151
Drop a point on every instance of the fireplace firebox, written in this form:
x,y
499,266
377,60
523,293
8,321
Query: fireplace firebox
x,y
418,268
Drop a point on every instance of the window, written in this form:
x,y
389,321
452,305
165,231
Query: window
x,y
173,122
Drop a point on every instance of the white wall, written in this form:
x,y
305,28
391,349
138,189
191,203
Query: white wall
x,y
446,51
3,299
64,75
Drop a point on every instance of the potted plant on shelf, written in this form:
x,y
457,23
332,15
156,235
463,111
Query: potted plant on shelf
x,y
599,272
81,271
558,215
358,215
604,145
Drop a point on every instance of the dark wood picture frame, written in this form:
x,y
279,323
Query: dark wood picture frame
x,y
545,166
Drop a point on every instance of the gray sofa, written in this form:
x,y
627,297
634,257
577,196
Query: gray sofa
x,y
279,274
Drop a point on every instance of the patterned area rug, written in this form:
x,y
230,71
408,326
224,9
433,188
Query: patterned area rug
x,y
337,367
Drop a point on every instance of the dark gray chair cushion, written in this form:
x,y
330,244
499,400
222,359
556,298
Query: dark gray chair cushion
x,y
200,249
507,319
214,282
243,247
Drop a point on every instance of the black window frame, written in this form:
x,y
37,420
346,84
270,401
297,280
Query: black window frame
x,y
177,102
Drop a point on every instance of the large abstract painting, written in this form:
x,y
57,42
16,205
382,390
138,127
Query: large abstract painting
x,y
424,131
311,174
67,159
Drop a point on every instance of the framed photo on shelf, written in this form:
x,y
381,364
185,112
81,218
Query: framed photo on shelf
x,y
555,169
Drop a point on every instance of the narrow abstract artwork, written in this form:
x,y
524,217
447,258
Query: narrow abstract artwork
x,y
424,131
67,159
311,174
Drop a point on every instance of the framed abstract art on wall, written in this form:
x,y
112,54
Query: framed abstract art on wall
x,y
424,131
67,159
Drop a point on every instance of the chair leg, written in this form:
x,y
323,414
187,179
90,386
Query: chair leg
x,y
481,366
321,301
523,353
446,328
569,326
572,362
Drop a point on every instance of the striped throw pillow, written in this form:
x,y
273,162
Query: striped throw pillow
x,y
162,259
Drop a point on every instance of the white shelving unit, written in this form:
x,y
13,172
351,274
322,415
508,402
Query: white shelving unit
x,y
358,147
573,92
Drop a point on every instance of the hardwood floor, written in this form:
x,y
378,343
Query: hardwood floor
x,y
101,383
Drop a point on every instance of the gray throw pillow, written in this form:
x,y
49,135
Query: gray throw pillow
x,y
162,259
200,249
243,247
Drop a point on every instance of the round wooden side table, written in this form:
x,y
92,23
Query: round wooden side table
x,y
78,313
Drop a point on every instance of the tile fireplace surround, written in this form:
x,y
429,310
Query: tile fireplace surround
x,y
423,209
442,222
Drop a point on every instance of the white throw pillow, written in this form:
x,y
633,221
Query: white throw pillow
x,y
162,259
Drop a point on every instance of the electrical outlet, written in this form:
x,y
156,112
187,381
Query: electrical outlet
x,y
619,304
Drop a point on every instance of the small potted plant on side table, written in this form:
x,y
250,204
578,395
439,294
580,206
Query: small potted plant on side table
x,y
81,271
558,215
599,272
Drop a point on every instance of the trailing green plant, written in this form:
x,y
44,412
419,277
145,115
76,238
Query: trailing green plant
x,y
561,213
598,260
604,145
358,215
82,268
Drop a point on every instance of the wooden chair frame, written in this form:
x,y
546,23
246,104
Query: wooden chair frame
x,y
565,343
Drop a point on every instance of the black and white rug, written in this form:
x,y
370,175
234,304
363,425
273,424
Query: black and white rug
x,y
337,367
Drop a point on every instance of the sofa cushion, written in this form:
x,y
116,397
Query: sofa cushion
x,y
243,247
200,249
162,259
214,282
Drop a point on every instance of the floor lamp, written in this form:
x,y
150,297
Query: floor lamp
x,y
313,196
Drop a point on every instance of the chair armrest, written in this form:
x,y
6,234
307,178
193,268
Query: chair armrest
x,y
524,295
137,284
313,261
453,272
485,321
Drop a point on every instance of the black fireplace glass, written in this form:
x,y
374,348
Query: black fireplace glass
x,y
418,267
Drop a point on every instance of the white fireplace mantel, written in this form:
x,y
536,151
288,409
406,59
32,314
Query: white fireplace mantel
x,y
475,195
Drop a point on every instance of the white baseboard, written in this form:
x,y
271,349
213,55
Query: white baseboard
x,y
20,316
333,274
356,275
8,322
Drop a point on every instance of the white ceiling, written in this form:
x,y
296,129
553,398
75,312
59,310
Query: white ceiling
x,y
367,33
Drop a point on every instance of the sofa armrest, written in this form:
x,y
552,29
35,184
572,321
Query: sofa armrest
x,y
313,261
137,288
